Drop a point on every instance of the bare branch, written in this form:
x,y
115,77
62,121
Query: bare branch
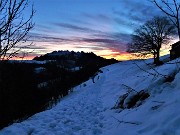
x,y
171,15
13,26
172,11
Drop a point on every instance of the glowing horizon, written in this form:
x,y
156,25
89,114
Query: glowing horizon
x,y
102,51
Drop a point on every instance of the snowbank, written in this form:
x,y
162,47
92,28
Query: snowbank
x,y
89,109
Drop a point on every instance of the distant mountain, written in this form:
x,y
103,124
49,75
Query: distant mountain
x,y
55,55
65,53
71,59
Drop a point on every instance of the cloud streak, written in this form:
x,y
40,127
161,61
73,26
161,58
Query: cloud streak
x,y
76,28
106,40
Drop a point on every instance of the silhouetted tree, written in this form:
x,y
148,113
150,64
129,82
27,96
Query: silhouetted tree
x,y
14,26
171,9
148,38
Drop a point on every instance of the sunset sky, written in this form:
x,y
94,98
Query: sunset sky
x,y
100,26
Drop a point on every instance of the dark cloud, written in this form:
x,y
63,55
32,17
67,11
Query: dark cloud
x,y
123,21
137,12
43,28
97,17
120,37
80,21
107,43
97,48
34,47
103,17
76,28
73,27
98,40
47,38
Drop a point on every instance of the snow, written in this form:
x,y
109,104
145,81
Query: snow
x,y
30,61
88,110
39,70
75,69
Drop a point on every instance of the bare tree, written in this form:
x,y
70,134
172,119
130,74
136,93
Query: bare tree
x,y
171,9
14,26
149,38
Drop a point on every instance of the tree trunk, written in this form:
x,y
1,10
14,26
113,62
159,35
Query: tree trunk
x,y
0,41
179,32
178,25
157,58
158,51
154,53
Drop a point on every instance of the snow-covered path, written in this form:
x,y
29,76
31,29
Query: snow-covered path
x,y
88,109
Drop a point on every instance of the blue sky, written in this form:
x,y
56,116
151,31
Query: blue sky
x,y
100,26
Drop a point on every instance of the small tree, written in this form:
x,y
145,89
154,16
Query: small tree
x,y
171,8
14,26
148,38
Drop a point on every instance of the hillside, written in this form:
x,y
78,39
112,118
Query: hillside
x,y
71,59
104,107
29,87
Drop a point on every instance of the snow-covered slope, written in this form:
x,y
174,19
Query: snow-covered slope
x,y
88,110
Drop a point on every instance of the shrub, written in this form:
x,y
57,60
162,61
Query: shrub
x,y
131,99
